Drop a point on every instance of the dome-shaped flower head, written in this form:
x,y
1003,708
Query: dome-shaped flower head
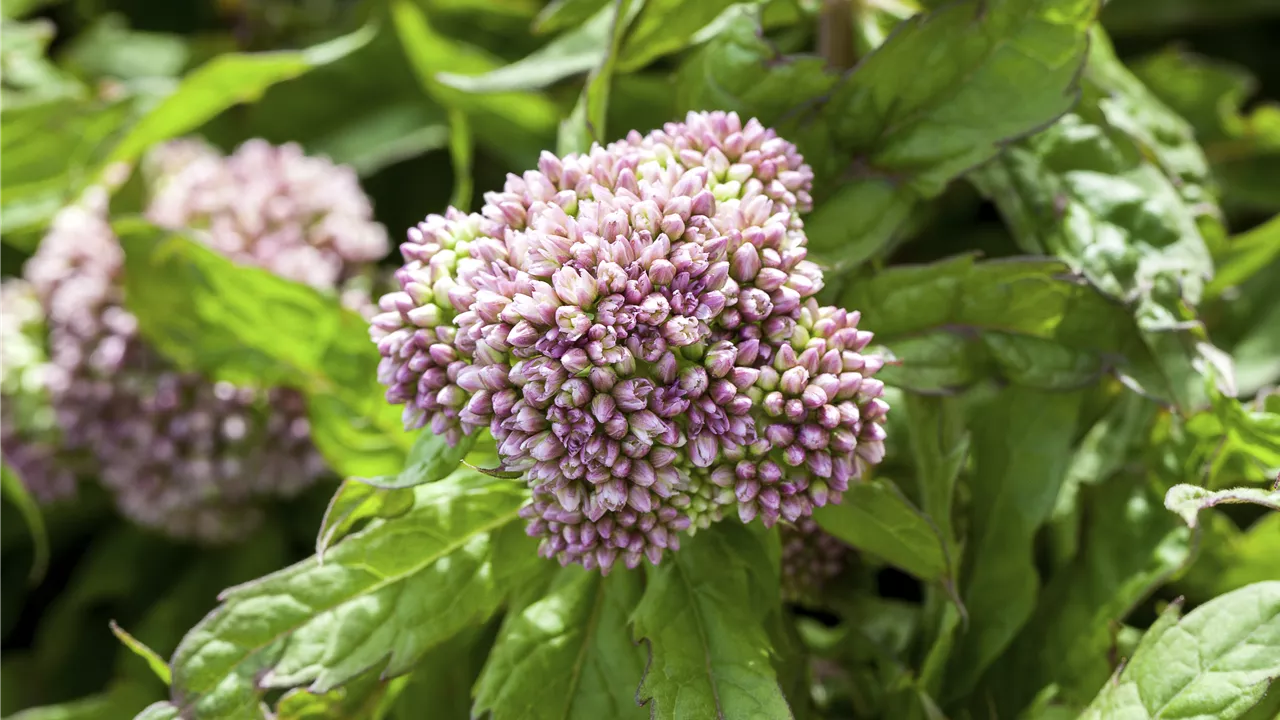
x,y
636,327
181,453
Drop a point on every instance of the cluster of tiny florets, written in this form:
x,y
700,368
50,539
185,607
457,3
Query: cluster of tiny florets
x,y
179,452
636,326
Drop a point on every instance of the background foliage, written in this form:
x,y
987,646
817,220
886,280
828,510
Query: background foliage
x,y
1059,217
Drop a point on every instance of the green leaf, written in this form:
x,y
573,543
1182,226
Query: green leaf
x,y
515,125
120,700
443,678
354,502
949,88
1215,663
1246,255
225,81
1022,442
664,27
568,654
702,615
159,711
1024,320
387,593
1188,500
875,517
574,52
431,459
359,698
251,327
154,661
587,122
36,183
1242,149
16,493
940,444
1130,547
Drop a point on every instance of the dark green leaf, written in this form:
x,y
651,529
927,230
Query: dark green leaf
x,y
1214,663
875,517
1246,255
565,14
431,459
109,49
702,616
1231,558
225,81
1130,546
568,654
154,661
1188,500
387,593
249,326
949,88
1021,446
443,678
121,700
359,698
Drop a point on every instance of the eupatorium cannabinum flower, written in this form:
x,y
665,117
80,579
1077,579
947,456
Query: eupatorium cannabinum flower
x,y
637,328
182,453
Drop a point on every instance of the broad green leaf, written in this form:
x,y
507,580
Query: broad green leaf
x,y
362,697
36,183
515,125
1103,451
949,88
664,27
15,492
1188,500
159,711
431,459
1130,547
249,326
575,52
587,122
223,82
1242,149
356,501
740,70
568,654
940,445
154,661
958,321
702,616
1214,663
1022,442
1246,255
443,678
875,517
1117,189
387,593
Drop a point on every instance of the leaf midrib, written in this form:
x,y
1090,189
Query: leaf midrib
x,y
696,611
588,636
448,549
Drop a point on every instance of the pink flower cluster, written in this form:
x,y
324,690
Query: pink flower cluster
x,y
637,328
